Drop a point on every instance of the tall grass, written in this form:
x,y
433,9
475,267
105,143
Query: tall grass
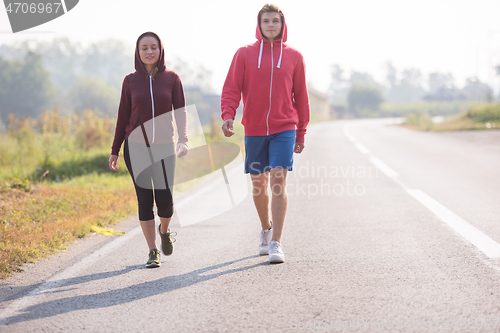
x,y
55,184
54,147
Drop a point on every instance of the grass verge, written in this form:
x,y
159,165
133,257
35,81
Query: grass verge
x,y
36,220
481,117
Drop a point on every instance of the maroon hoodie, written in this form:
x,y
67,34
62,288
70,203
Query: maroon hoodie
x,y
272,80
144,98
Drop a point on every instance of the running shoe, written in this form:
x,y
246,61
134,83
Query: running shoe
x,y
265,238
276,252
154,259
167,241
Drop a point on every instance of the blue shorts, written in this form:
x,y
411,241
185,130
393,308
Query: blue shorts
x,y
263,153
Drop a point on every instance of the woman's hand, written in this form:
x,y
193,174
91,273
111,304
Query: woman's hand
x,y
181,150
112,162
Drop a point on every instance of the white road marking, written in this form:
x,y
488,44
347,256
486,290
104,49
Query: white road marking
x,y
477,238
348,134
387,170
473,235
362,148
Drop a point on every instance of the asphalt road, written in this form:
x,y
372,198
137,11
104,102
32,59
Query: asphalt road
x,y
387,230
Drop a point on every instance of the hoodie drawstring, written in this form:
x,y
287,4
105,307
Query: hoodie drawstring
x,y
260,53
281,53
153,105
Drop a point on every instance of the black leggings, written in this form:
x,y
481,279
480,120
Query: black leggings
x,y
154,181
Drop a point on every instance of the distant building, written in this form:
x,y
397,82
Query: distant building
x,y
319,105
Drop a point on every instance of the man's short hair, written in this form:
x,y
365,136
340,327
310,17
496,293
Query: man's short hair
x,y
269,8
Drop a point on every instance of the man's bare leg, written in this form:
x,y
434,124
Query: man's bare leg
x,y
261,198
279,202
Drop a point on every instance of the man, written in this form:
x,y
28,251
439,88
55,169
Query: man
x,y
271,77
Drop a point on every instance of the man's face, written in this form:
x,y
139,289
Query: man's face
x,y
270,25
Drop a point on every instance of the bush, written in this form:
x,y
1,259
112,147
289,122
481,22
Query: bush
x,y
364,97
421,120
485,114
92,131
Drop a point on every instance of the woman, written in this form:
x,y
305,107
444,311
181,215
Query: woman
x,y
145,123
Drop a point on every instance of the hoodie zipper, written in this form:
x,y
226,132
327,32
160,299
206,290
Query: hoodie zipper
x,y
270,89
152,105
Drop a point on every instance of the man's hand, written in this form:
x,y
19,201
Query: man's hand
x,y
299,147
227,127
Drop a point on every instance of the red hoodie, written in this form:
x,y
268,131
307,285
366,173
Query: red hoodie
x,y
140,93
271,77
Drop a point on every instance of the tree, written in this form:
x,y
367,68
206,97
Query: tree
x,y
362,78
392,81
337,76
339,85
96,94
437,80
6,74
406,87
196,76
61,58
410,87
391,74
477,90
108,59
445,93
364,97
25,86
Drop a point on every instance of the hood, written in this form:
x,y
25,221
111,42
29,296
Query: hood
x,y
282,38
258,33
139,66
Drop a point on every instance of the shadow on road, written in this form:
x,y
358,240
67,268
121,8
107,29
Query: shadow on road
x,y
119,296
12,295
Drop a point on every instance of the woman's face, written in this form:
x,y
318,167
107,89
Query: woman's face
x,y
149,50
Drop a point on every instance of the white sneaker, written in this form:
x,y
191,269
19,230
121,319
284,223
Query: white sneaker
x,y
265,239
276,252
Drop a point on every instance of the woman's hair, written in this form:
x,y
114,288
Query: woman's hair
x,y
269,8
148,34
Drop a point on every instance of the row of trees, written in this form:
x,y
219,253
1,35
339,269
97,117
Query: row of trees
x,y
64,75
361,91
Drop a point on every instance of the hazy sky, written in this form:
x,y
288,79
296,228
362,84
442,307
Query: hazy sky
x,y
460,36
